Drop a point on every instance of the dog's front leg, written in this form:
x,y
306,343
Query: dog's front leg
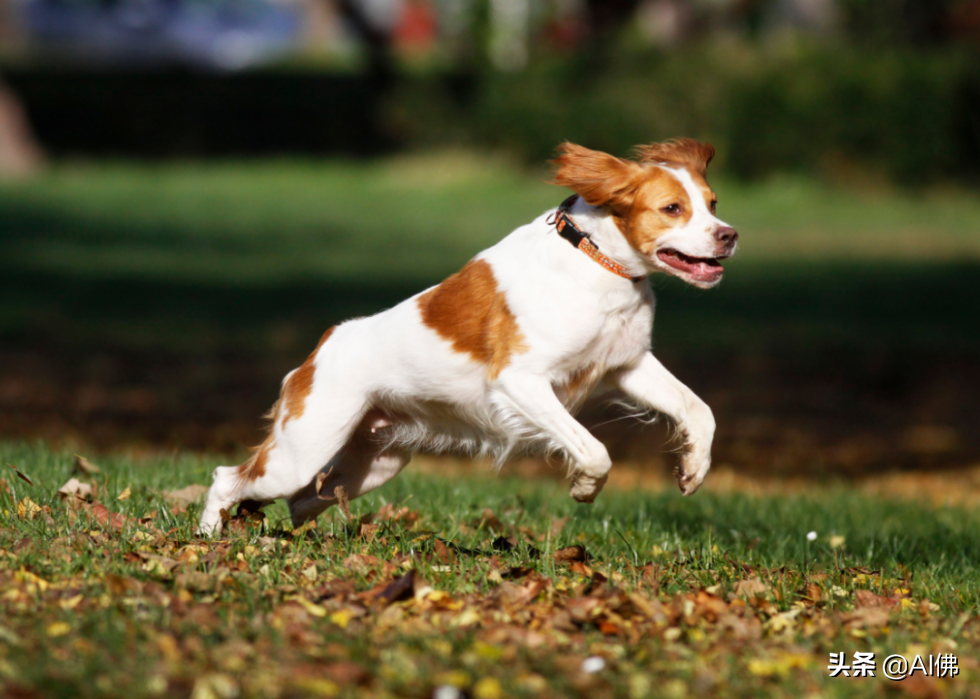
x,y
533,398
656,388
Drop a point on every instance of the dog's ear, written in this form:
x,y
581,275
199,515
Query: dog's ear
x,y
599,178
681,151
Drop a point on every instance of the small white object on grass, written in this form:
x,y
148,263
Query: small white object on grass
x,y
593,664
812,536
446,691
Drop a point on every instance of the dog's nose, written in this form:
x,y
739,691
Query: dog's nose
x,y
726,235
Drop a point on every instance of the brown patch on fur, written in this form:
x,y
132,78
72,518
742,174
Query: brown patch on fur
x,y
685,152
254,467
469,311
293,397
647,220
300,383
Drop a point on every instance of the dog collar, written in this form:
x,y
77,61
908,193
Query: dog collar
x,y
573,234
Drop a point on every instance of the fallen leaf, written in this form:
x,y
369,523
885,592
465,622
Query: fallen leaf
x,y
781,664
389,513
491,522
180,499
104,517
867,617
750,587
342,617
399,589
312,609
443,552
195,581
21,475
215,686
867,598
346,673
361,562
124,495
76,490
343,502
71,602
367,532
58,628
83,465
571,554
119,585
28,509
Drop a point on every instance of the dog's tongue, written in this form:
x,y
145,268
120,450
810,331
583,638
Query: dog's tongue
x,y
699,268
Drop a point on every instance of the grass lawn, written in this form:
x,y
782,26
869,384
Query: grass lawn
x,y
496,586
417,218
137,294
219,255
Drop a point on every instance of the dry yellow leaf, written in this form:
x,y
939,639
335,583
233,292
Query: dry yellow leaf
x,y
124,495
29,580
58,628
488,688
28,509
317,686
311,608
341,617
780,665
71,602
469,617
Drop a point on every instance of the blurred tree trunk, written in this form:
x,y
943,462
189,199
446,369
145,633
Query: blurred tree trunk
x,y
605,19
377,40
20,153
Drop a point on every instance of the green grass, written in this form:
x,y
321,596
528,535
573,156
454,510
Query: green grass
x,y
131,613
227,255
409,218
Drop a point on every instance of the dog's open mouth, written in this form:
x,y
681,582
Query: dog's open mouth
x,y
699,269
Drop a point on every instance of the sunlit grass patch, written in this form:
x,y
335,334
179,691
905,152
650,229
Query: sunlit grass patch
x,y
499,587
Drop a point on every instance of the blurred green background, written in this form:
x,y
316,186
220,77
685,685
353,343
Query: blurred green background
x,y
192,192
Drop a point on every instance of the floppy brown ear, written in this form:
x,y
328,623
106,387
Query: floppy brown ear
x,y
599,178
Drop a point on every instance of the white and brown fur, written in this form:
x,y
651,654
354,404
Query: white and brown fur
x,y
495,359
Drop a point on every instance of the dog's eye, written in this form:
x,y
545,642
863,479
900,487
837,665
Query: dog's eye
x,y
713,205
672,209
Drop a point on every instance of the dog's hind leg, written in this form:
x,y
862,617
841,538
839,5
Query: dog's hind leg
x,y
290,457
365,463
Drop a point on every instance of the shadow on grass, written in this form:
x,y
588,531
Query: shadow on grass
x,y
786,307
809,366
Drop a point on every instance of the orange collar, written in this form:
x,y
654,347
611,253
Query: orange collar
x,y
573,234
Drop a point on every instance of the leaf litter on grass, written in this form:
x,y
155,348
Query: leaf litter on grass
x,y
392,602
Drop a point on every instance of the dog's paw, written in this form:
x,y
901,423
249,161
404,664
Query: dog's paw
x,y
586,488
691,473
208,528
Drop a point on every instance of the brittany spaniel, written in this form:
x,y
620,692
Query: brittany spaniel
x,y
496,359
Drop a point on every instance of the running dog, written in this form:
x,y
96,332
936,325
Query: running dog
x,y
496,359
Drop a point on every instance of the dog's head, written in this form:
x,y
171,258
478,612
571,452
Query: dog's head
x,y
660,201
